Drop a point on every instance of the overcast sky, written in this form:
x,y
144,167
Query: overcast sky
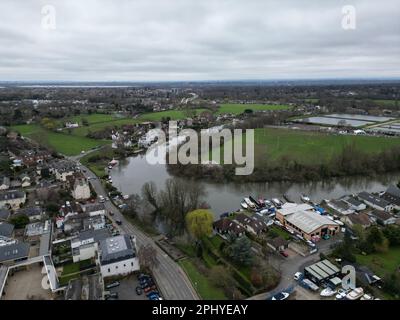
x,y
198,40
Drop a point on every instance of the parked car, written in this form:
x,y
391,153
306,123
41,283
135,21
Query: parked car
x,y
150,288
113,284
111,295
281,296
283,253
139,290
298,276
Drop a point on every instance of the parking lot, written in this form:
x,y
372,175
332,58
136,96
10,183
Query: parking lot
x,y
126,290
26,285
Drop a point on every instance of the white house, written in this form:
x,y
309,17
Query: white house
x,y
4,183
117,256
25,181
81,189
71,125
375,202
85,245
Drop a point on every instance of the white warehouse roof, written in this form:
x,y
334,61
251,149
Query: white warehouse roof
x,y
308,221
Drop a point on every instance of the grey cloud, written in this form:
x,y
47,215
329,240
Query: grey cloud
x,y
198,40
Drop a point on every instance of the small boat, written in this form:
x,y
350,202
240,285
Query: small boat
x,y
256,203
356,294
305,198
249,203
328,292
244,205
277,203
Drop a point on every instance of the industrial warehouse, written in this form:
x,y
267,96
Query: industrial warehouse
x,y
323,271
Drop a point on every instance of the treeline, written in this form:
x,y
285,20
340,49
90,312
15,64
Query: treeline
x,y
351,161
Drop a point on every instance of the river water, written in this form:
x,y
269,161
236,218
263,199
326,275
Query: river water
x,y
131,173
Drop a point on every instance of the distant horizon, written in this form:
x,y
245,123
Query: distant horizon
x,y
333,79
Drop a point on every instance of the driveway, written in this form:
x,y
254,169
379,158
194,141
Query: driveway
x,y
294,263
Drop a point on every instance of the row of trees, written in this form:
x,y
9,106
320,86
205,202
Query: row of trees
x,y
351,161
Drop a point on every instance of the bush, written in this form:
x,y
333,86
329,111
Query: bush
x,y
19,221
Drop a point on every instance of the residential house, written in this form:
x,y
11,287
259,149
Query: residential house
x,y
4,214
34,213
375,202
94,222
94,209
12,199
63,169
278,244
4,183
82,221
392,195
81,189
354,203
362,219
251,225
71,125
25,181
12,253
382,217
226,226
6,230
340,206
85,244
117,256
34,157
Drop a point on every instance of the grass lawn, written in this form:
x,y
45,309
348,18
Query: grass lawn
x,y
203,286
282,233
271,145
173,114
66,144
70,268
386,102
93,118
98,126
238,108
381,263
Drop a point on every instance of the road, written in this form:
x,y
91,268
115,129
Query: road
x,y
171,279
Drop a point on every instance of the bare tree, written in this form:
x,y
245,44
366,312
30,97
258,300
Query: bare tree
x,y
177,199
148,257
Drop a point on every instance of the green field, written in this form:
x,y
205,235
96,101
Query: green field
x,y
98,126
309,147
383,102
203,286
97,122
238,108
64,143
381,263
173,114
93,118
